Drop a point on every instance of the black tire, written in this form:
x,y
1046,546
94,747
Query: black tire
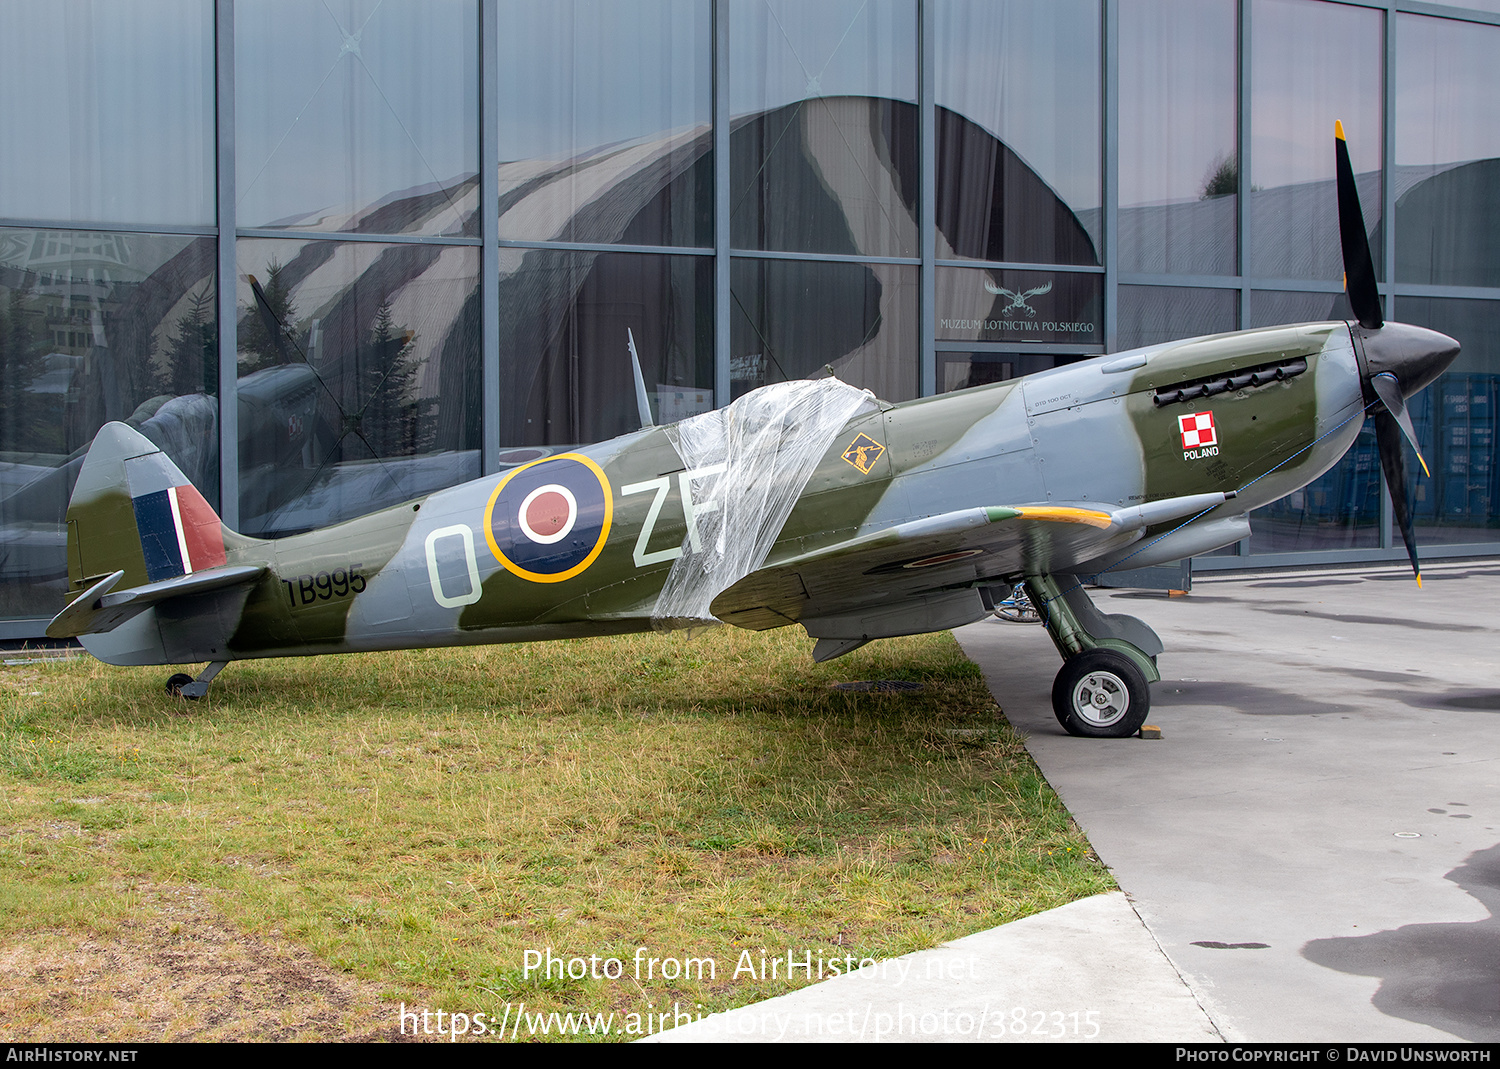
x,y
1101,694
177,682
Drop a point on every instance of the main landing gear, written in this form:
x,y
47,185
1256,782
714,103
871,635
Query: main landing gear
x,y
183,685
1102,691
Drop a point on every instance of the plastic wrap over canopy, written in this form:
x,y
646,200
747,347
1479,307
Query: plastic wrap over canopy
x,y
750,462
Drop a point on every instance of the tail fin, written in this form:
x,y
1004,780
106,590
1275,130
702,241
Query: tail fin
x,y
134,511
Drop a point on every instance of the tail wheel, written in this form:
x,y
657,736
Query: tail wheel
x,y
177,682
1100,694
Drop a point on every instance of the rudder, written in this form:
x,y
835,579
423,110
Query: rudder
x,y
134,511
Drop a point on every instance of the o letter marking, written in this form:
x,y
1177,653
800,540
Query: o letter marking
x,y
470,596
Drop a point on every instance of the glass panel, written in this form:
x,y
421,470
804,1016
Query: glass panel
x,y
961,370
109,112
823,151
1018,130
1179,169
359,377
793,317
605,121
1340,509
1273,308
95,327
1455,423
1037,306
1150,315
566,319
357,115
1447,153
1311,63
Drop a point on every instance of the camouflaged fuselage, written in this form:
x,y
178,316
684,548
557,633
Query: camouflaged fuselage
x,y
581,542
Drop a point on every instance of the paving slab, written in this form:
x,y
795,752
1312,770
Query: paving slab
x,y
1053,977
1315,840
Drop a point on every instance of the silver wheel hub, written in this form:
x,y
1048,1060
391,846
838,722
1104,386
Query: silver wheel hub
x,y
1101,698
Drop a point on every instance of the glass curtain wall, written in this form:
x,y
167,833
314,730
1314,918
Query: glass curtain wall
x,y
823,159
108,289
1447,179
606,201
1179,154
1018,125
1313,63
372,299
359,360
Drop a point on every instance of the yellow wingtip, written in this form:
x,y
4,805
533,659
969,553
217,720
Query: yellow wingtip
x,y
1065,514
1338,129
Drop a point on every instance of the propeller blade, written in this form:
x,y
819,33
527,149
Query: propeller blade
x,y
1359,265
1389,391
1393,463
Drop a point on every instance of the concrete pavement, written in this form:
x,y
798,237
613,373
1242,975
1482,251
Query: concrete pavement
x,y
1311,850
1054,977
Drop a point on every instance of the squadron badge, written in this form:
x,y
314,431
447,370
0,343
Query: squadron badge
x,y
863,452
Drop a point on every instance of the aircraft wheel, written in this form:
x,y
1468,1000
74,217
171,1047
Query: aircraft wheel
x,y
1100,694
177,682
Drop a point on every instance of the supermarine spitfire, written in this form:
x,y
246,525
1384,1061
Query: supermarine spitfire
x,y
804,502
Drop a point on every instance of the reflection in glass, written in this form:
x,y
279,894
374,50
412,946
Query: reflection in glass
x,y
605,122
1447,153
357,115
1179,171
824,144
359,378
1150,315
566,322
1311,63
963,370
1018,131
1340,509
1036,306
1273,308
1455,423
109,112
95,327
793,317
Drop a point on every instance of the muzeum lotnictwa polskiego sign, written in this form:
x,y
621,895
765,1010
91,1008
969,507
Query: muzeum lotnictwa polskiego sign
x,y
1020,306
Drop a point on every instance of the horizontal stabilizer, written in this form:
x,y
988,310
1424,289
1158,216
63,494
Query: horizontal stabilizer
x,y
101,608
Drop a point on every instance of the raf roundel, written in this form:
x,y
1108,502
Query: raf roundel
x,y
548,514
548,520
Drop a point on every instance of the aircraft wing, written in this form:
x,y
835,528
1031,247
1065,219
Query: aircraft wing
x,y
882,570
101,608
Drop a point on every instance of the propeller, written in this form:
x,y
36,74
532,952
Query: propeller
x,y
1359,265
1396,360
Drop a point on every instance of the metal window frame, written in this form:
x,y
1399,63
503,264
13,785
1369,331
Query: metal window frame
x,y
226,232
228,325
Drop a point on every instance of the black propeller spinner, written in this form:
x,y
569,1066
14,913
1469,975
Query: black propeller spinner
x,y
1396,360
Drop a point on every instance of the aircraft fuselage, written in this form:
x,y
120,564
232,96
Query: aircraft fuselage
x,y
581,542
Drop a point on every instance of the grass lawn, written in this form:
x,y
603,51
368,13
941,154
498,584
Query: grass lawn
x,y
323,839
